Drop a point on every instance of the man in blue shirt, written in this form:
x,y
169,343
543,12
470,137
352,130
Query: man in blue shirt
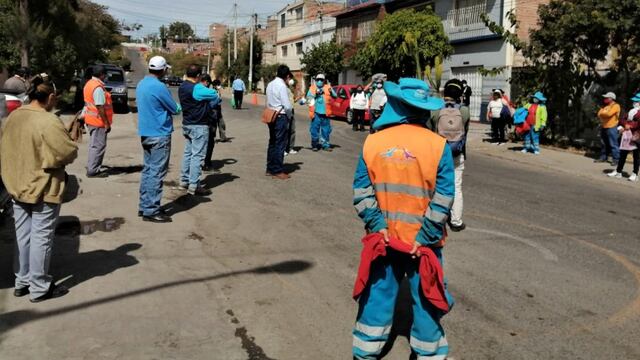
x,y
195,99
238,91
155,125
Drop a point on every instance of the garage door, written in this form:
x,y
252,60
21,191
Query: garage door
x,y
474,80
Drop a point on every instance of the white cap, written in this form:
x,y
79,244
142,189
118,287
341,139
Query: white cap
x,y
158,63
320,77
609,95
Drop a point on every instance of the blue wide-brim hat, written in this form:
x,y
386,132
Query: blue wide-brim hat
x,y
636,98
407,99
538,95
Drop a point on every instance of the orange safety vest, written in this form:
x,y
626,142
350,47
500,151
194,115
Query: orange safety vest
x,y
403,165
91,116
327,100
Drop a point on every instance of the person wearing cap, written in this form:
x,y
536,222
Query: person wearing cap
x,y
98,116
155,125
195,99
319,97
238,92
377,99
18,82
609,116
278,99
403,189
537,121
494,116
630,143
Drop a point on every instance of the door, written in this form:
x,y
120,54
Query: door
x,y
474,80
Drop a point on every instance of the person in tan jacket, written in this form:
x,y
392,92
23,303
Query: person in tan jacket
x,y
609,116
34,150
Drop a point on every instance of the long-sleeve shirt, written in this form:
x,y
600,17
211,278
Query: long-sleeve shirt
x,y
278,96
320,106
155,107
609,115
378,99
359,101
238,85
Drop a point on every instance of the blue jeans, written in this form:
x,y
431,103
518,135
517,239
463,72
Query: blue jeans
x,y
610,145
196,138
278,134
157,151
320,132
532,141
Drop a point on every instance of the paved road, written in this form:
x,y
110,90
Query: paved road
x,y
549,266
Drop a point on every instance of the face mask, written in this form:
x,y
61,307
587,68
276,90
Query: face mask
x,y
359,90
535,100
319,83
291,82
636,105
379,86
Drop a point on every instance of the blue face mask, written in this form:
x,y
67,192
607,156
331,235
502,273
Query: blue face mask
x,y
319,83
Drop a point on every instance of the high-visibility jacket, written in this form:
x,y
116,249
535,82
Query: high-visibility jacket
x,y
327,100
402,162
92,116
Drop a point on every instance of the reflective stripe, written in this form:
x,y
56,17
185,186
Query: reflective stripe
x,y
371,347
366,203
402,189
432,357
404,217
374,331
442,200
436,216
428,346
359,193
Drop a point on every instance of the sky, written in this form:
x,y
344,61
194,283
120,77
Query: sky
x,y
199,13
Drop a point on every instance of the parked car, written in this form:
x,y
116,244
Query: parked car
x,y
9,101
341,105
116,84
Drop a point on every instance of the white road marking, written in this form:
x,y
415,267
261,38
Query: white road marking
x,y
546,253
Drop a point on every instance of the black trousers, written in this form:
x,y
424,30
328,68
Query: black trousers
x,y
623,159
237,96
358,119
498,129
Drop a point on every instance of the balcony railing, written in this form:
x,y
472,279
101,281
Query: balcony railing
x,y
466,22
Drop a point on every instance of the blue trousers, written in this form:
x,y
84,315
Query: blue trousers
x,y
157,151
320,132
377,302
196,138
532,141
278,137
610,144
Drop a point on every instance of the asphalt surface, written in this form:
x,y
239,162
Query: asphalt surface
x,y
549,266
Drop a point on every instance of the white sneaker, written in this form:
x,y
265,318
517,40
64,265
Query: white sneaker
x,y
536,152
615,174
633,177
524,151
293,152
286,153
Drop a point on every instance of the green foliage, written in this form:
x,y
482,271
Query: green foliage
x,y
434,74
325,58
118,57
180,60
269,72
402,43
180,29
240,67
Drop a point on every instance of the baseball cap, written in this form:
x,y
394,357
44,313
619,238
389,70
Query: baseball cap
x,y
609,95
158,63
320,77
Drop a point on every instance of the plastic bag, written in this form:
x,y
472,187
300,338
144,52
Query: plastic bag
x,y
627,142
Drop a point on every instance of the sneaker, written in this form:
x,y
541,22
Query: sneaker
x,y
536,152
633,178
20,292
328,149
199,191
292,152
524,151
181,187
457,228
615,174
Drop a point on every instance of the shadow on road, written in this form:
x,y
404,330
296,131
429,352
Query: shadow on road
x,y
184,203
119,170
215,180
290,168
71,189
219,164
16,318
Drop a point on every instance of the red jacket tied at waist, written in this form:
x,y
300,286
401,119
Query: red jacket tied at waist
x,y
430,270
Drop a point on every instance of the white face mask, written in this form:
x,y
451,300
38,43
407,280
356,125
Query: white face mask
x,y
291,82
636,105
379,86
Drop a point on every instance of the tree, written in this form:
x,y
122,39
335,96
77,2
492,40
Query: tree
x,y
325,58
240,67
402,44
180,29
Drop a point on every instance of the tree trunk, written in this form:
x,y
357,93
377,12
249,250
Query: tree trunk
x,y
24,44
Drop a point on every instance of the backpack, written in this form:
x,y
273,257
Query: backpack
x,y
520,116
451,127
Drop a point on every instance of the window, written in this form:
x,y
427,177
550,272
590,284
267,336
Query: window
x,y
365,29
283,20
468,12
342,94
343,34
284,51
298,12
299,48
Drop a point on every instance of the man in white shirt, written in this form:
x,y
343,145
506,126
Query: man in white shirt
x,y
278,99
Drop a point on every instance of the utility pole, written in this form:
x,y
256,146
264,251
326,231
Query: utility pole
x,y
253,26
229,57
24,44
235,31
320,14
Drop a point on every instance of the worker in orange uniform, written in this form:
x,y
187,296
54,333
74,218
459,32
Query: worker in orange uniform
x,y
403,189
98,116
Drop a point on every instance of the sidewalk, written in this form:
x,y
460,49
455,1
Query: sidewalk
x,y
550,158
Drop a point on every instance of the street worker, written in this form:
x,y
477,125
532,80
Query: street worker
x,y
536,121
630,130
195,99
403,191
609,116
452,123
494,116
238,92
215,121
18,82
359,104
377,99
320,96
466,93
98,116
278,100
35,150
155,125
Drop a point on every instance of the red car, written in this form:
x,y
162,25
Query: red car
x,y
340,105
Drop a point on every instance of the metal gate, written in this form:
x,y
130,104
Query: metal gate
x,y
474,80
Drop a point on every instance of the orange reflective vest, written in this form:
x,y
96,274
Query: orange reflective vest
x,y
403,165
327,100
92,116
